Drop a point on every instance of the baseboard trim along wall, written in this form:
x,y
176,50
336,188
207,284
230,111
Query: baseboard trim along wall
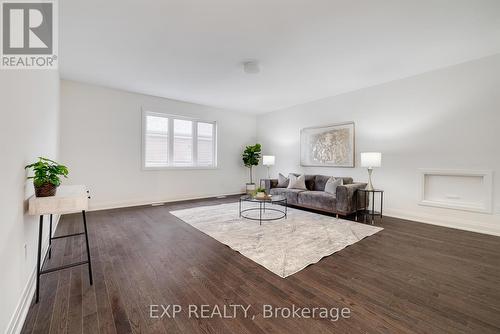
x,y
451,222
17,320
444,221
132,203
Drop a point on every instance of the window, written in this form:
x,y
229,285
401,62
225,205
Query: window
x,y
183,142
156,141
205,144
173,141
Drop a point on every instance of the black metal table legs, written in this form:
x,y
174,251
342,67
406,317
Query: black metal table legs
x,y
40,263
38,259
381,203
50,236
366,208
88,248
373,207
262,208
260,213
356,206
286,208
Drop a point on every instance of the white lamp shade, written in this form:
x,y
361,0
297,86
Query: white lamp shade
x,y
371,159
268,160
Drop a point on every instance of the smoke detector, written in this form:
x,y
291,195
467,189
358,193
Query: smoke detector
x,y
251,67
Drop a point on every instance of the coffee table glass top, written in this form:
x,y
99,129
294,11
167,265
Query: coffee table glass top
x,y
272,199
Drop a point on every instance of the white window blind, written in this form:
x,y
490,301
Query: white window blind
x,y
156,141
173,141
183,142
205,144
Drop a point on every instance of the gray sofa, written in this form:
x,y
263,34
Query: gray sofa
x,y
342,203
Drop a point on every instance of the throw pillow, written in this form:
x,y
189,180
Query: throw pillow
x,y
297,182
332,184
283,181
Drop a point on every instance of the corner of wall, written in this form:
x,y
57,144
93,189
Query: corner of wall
x,y
19,316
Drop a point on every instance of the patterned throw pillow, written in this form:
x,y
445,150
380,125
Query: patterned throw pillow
x,y
297,182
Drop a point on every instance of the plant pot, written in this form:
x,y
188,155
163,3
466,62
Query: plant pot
x,y
250,188
45,190
260,195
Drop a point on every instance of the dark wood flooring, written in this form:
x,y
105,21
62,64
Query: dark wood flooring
x,y
408,278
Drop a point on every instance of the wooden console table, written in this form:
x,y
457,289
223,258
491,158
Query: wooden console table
x,y
68,199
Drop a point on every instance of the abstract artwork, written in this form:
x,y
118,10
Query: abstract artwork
x,y
328,146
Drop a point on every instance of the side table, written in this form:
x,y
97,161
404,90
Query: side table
x,y
372,212
68,199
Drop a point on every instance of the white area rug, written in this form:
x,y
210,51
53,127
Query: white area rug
x,y
283,246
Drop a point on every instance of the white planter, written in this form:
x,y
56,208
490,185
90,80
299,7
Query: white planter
x,y
250,188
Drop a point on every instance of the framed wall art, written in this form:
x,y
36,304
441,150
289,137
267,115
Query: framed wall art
x,y
328,146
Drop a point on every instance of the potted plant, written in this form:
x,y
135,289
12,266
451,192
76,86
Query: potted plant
x,y
251,157
260,192
46,178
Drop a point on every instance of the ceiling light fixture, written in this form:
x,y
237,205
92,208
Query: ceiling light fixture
x,y
251,67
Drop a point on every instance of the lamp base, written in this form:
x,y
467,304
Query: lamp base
x,y
369,186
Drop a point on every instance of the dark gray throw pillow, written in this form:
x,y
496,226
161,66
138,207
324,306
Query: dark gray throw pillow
x,y
282,181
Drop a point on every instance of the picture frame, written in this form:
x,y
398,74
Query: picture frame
x,y
330,145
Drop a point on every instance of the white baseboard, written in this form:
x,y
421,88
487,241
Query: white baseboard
x,y
445,221
17,320
131,203
440,220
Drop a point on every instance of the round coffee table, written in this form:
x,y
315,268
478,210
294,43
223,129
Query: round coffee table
x,y
276,199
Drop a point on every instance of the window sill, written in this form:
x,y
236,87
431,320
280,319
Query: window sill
x,y
178,168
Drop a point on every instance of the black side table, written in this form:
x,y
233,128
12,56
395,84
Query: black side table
x,y
367,199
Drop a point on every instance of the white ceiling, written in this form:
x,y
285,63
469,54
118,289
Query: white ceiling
x,y
192,50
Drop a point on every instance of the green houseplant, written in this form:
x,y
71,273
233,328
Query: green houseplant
x,y
260,192
251,157
47,176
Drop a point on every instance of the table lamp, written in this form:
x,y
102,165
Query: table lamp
x,y
371,160
268,161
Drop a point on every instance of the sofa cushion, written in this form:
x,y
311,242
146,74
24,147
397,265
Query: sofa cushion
x,y
310,182
320,181
317,199
290,194
346,180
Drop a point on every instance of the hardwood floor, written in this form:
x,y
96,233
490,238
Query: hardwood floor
x,y
408,278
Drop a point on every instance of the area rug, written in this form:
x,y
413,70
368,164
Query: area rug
x,y
283,246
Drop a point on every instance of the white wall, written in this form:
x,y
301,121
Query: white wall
x,y
447,119
101,144
29,128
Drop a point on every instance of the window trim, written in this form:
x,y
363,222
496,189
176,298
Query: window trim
x,y
147,112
